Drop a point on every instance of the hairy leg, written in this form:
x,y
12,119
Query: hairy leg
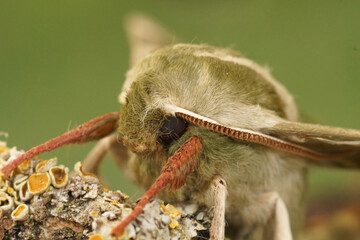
x,y
282,223
97,154
110,144
278,226
218,191
275,223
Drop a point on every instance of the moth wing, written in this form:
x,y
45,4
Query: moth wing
x,y
323,145
343,144
144,35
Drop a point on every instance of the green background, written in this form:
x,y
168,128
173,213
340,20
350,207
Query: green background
x,y
63,62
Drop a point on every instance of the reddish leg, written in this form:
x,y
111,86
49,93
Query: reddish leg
x,y
91,130
175,171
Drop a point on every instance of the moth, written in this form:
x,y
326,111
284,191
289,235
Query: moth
x,y
207,125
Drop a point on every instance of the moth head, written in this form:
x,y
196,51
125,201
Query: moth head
x,y
144,127
198,78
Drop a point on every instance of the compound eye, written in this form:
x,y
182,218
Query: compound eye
x,y
172,128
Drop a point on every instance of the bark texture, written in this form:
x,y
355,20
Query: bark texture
x,y
84,209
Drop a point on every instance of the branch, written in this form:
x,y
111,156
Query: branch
x,y
43,201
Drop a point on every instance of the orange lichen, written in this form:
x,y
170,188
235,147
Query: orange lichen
x,y
25,165
80,171
172,212
10,190
17,171
38,183
94,214
4,149
125,196
59,176
45,165
24,193
19,210
173,224
96,237
20,213
6,202
19,179
114,202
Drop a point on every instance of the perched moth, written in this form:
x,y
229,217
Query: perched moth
x,y
206,125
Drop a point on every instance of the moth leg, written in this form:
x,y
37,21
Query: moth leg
x,y
174,173
110,144
218,191
274,223
97,154
281,228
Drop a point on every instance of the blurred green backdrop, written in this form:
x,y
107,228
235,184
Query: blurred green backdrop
x,y
63,62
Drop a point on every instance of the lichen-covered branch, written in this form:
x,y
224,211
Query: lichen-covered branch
x,y
42,200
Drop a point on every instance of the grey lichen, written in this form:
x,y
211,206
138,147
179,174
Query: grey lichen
x,y
82,208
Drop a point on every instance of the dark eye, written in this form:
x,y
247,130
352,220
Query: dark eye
x,y
172,128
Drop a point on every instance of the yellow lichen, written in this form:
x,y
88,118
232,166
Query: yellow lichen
x,y
172,212
173,224
24,192
4,149
96,237
125,196
80,171
45,165
114,202
94,214
6,202
20,213
25,165
38,183
10,190
59,176
19,210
